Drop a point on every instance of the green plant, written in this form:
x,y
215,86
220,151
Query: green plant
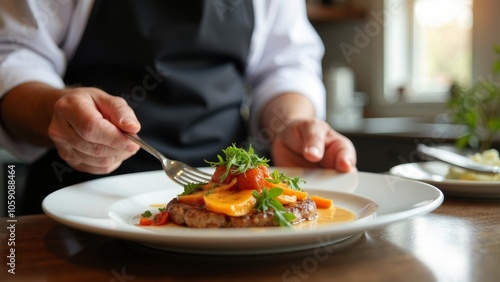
x,y
478,108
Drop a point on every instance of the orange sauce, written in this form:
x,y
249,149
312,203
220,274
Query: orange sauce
x,y
333,215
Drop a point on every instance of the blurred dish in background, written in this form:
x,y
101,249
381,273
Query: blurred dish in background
x,y
435,172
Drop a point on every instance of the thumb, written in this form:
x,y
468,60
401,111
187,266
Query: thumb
x,y
130,125
118,112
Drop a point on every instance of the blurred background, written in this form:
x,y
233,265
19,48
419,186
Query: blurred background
x,y
388,69
390,65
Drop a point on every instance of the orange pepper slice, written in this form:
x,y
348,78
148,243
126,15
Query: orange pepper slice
x,y
232,203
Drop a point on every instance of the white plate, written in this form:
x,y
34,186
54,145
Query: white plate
x,y
109,206
434,172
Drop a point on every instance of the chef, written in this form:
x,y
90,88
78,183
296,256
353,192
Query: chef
x,y
190,77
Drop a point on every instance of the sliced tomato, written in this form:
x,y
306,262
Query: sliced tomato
x,y
265,171
252,179
161,218
145,221
219,171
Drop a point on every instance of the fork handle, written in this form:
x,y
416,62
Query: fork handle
x,y
148,148
456,159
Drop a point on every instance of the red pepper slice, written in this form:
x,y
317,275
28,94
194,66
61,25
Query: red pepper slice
x,y
145,221
161,218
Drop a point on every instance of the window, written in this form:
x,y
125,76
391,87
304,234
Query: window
x,y
428,48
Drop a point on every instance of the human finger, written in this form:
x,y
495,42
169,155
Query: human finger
x,y
118,112
313,135
86,114
340,153
99,161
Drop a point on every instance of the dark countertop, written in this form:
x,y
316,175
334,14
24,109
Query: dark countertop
x,y
382,143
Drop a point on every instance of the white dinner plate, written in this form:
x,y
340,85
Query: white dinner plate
x,y
434,172
110,206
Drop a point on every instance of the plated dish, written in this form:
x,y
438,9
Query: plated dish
x,y
434,172
110,207
242,192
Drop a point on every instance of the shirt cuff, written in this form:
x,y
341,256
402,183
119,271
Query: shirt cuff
x,y
287,80
23,66
16,69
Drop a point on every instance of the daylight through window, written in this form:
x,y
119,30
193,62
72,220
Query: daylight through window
x,y
428,47
441,47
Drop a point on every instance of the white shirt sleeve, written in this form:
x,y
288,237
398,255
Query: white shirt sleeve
x,y
40,36
285,56
35,43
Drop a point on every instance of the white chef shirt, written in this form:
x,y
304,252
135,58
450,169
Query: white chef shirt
x,y
39,38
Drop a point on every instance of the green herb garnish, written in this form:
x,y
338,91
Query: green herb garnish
x,y
238,160
292,182
267,199
190,188
211,190
146,214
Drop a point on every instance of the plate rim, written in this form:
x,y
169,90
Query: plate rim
x,y
347,229
450,181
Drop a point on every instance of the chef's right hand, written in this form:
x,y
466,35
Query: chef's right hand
x,y
86,128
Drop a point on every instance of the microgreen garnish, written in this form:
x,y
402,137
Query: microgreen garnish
x,y
292,182
211,190
146,214
190,188
238,160
267,199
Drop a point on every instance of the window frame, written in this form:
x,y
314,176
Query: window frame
x,y
408,67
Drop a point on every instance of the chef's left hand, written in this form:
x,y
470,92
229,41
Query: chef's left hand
x,y
313,143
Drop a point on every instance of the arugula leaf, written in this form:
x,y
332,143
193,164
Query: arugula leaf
x,y
267,199
190,188
293,183
238,160
211,190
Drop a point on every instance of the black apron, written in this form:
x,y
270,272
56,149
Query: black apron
x,y
179,65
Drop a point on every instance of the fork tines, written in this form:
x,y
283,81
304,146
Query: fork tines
x,y
192,175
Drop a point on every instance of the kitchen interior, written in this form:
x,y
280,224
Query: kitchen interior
x,y
368,70
381,69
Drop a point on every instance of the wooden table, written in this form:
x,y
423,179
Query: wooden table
x,y
460,241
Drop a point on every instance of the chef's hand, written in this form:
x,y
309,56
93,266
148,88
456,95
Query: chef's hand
x,y
86,128
313,143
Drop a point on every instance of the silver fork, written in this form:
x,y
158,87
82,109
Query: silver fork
x,y
456,159
177,171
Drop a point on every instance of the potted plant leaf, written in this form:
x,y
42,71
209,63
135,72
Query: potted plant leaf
x,y
478,108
